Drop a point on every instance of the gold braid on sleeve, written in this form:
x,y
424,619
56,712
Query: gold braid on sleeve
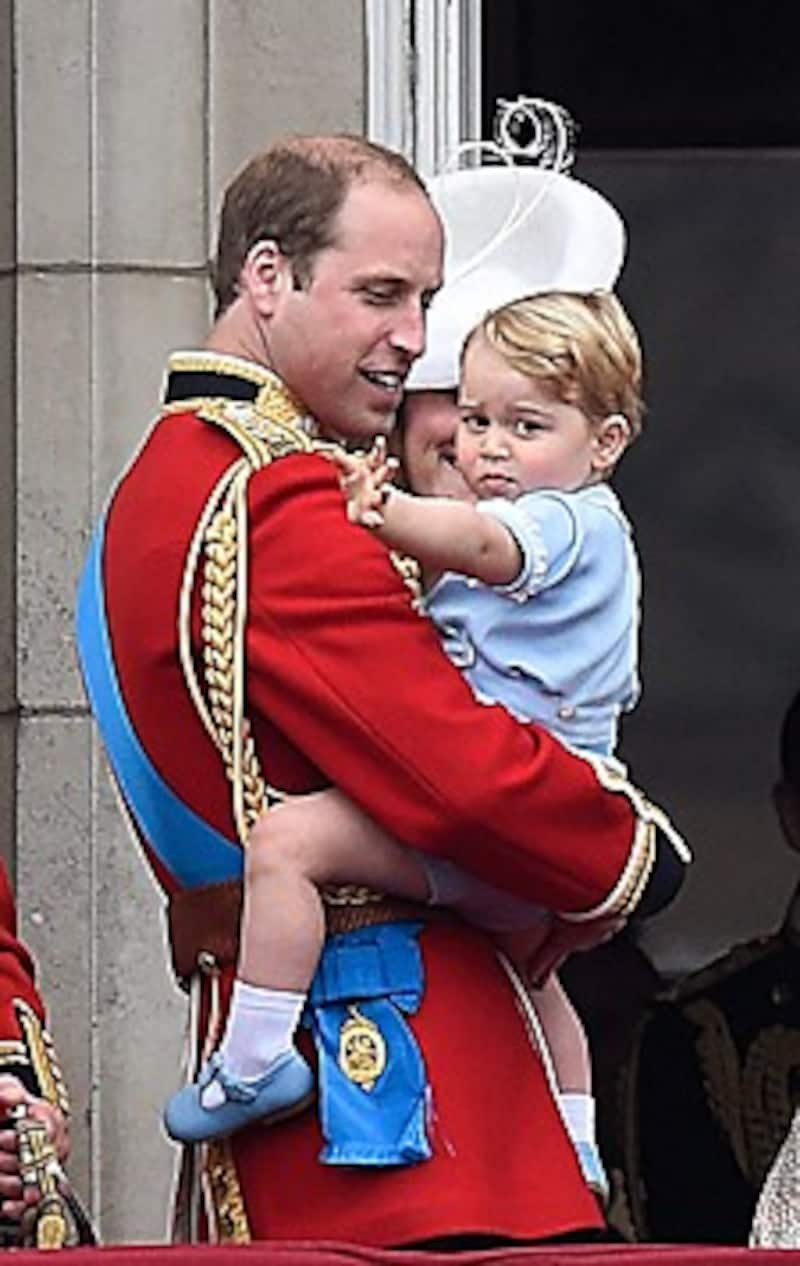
x,y
649,821
217,558
266,430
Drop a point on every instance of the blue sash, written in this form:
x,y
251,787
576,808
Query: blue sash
x,y
373,1088
190,849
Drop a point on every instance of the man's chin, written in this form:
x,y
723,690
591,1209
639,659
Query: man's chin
x,y
360,428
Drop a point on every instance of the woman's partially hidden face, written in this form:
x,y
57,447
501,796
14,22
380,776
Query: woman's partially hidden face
x,y
429,426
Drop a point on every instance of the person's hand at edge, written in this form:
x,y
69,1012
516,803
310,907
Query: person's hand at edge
x,y
13,1200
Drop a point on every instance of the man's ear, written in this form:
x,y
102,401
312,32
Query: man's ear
x,y
787,807
265,274
609,442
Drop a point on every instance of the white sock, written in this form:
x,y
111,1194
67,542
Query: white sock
x,y
261,1025
577,1109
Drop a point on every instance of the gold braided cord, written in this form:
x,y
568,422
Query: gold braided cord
x,y
226,417
185,600
752,1101
224,613
220,535
410,572
624,896
219,1181
13,1051
270,428
718,1061
42,1056
275,405
224,1199
770,1068
249,792
220,540
209,362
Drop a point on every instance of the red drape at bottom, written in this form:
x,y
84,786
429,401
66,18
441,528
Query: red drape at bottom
x,y
330,1253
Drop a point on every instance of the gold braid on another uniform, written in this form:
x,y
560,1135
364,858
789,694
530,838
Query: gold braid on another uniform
x,y
718,1061
750,1098
770,1069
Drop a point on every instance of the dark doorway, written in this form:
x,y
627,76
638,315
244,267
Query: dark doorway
x,y
685,111
666,73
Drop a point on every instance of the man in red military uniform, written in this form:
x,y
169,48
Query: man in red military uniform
x,y
241,640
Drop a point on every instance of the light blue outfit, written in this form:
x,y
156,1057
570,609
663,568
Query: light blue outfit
x,y
558,646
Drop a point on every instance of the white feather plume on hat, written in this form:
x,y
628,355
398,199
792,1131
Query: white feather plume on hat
x,y
511,231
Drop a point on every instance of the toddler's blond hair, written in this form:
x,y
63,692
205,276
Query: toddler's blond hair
x,y
583,346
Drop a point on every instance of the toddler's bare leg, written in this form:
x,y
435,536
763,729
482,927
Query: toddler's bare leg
x,y
563,1029
568,1047
307,842
566,1037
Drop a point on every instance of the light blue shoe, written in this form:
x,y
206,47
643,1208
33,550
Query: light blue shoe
x,y
592,1168
285,1089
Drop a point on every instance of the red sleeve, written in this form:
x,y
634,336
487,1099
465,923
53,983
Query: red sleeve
x,y
26,1050
17,975
339,659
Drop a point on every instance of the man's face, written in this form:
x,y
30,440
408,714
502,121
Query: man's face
x,y
430,419
345,342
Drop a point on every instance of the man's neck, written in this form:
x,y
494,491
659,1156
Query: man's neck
x,y
274,393
233,335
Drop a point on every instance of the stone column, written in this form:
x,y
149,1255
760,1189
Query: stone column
x,y
130,116
8,707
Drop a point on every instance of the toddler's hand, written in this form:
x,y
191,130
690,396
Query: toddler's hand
x,y
366,481
564,938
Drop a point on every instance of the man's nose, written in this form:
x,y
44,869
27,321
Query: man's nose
x,y
408,329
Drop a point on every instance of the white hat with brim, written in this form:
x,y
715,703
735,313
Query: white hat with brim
x,y
511,231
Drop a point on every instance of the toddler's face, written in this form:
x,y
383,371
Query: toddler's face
x,y
514,436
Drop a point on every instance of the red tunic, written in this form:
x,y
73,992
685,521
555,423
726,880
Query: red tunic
x,y
26,1050
346,683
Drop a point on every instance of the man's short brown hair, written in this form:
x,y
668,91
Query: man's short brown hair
x,y
291,194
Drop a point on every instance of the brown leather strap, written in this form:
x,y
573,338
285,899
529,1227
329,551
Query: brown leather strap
x,y
205,921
